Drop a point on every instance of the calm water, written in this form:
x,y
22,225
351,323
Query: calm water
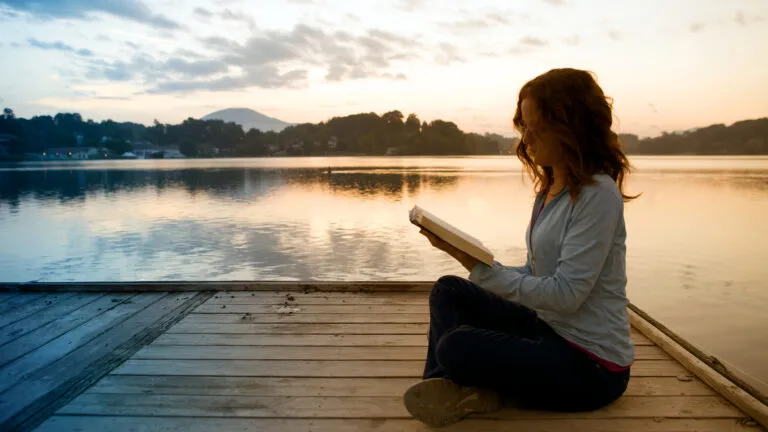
x,y
696,248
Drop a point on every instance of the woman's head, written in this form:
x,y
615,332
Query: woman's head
x,y
565,120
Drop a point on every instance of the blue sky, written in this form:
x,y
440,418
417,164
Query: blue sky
x,y
669,65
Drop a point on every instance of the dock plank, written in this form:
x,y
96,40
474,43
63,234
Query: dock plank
x,y
54,329
52,313
184,352
16,300
300,387
266,298
41,393
313,309
326,368
191,327
45,355
24,310
371,407
301,317
78,423
390,340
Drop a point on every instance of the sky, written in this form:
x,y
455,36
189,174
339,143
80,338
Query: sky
x,y
669,65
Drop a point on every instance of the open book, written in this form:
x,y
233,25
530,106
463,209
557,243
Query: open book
x,y
450,234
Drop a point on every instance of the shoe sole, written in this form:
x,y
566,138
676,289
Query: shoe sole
x,y
438,402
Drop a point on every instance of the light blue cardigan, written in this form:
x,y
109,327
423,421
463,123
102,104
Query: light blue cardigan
x,y
575,276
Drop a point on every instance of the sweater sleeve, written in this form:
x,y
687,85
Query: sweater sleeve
x,y
585,247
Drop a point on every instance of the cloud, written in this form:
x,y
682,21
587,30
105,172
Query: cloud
x,y
270,59
103,38
489,20
202,13
133,10
59,46
410,5
741,19
132,44
572,40
532,41
265,77
614,35
238,16
122,98
448,54
697,27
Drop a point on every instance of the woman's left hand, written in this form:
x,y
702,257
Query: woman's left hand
x,y
462,257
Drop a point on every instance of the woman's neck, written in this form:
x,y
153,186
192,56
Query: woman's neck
x,y
559,180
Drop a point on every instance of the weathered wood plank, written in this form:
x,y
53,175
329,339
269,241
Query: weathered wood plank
x,y
371,407
18,300
301,317
30,402
306,339
297,298
189,327
45,316
289,386
302,286
54,329
27,309
6,296
28,364
207,424
291,339
325,368
185,352
313,309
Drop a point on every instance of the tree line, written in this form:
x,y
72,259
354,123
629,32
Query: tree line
x,y
746,137
363,134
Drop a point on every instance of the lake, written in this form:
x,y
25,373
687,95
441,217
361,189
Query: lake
x,y
697,237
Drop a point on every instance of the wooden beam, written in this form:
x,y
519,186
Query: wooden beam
x,y
745,401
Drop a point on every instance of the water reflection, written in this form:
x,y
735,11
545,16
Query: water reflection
x,y
241,184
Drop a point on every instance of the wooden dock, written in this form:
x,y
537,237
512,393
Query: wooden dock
x,y
268,359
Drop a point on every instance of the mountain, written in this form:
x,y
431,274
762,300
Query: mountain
x,y
248,118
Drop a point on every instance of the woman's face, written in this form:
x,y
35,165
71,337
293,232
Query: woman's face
x,y
542,145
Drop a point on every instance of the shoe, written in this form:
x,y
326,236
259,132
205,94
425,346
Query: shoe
x,y
439,401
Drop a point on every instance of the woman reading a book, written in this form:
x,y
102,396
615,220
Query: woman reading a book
x,y
552,334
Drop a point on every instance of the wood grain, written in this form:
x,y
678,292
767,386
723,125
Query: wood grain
x,y
326,368
290,386
370,407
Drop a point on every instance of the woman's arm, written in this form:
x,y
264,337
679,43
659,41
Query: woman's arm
x,y
585,248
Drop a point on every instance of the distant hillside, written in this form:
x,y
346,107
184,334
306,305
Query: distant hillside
x,y
248,119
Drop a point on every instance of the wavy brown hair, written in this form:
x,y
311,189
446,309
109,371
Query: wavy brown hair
x,y
573,108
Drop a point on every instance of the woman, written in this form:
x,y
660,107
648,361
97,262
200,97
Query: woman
x,y
554,333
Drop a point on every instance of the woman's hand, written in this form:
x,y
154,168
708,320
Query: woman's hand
x,y
462,257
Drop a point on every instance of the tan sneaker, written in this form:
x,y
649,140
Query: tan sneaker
x,y
439,401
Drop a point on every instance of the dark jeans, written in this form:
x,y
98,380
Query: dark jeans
x,y
477,338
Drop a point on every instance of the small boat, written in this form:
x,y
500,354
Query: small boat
x,y
293,356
